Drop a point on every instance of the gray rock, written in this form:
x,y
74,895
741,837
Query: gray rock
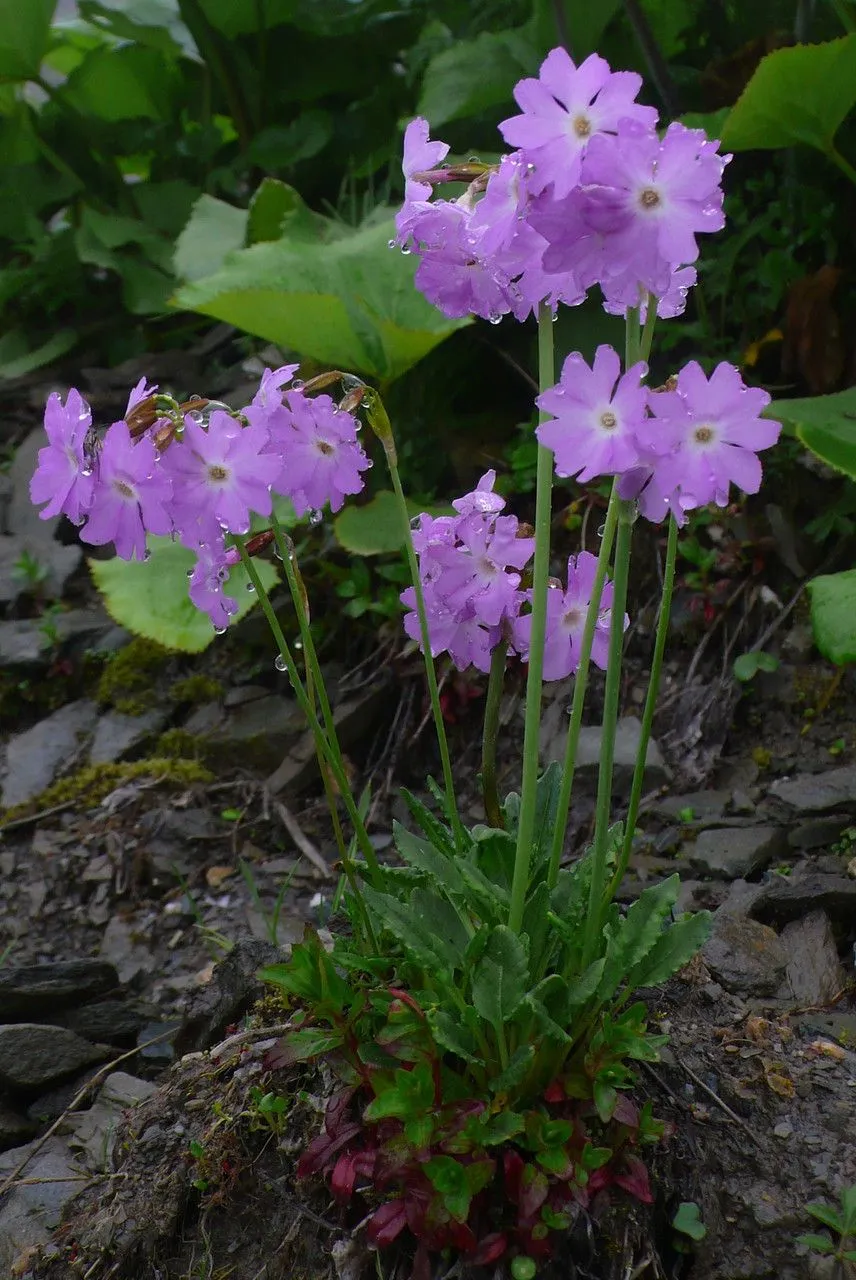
x,y
37,756
39,989
114,1022
746,957
232,991
29,1213
123,947
34,1056
15,1129
28,642
817,832
355,718
261,731
53,562
817,792
814,972
93,1132
116,734
22,517
730,853
628,735
789,898
705,805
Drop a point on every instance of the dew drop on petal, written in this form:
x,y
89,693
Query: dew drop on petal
x,y
297,385
405,249
190,573
494,319
220,631
390,244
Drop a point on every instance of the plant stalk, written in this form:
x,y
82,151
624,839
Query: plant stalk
x,y
490,733
534,676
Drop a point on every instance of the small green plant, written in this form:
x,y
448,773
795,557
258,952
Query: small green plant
x,y
687,1221
268,1110
687,814
49,625
365,595
841,1222
30,571
272,917
747,666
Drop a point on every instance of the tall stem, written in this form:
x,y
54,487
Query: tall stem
x,y
541,573
495,683
380,424
580,685
650,704
612,695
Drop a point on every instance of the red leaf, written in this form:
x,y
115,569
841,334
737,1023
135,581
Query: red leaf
x,y
461,1237
422,1269
386,1223
600,1180
490,1249
625,1112
513,1166
533,1191
319,1154
634,1178
348,1167
555,1092
337,1109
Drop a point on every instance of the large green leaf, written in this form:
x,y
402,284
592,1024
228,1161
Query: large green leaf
x,y
374,529
427,949
583,22
501,976
150,597
128,83
833,615
801,94
17,357
349,304
476,74
24,37
824,424
214,230
155,23
423,855
635,935
674,948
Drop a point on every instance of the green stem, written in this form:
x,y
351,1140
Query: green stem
x,y
309,711
580,686
648,331
490,733
540,587
844,165
650,705
612,695
631,337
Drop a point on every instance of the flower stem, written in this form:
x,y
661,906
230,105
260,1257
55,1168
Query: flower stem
x,y
496,681
380,424
580,685
648,332
650,705
541,573
626,516
308,710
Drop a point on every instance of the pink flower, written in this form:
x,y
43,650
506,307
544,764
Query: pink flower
x,y
131,496
319,458
207,580
564,109
63,477
220,474
566,618
420,156
597,413
269,394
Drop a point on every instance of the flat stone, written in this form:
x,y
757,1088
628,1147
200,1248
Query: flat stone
x,y
705,805
30,1212
15,1129
27,643
815,974
627,739
37,756
732,853
44,988
114,1022
748,958
231,992
260,731
116,735
817,792
817,832
22,516
55,563
355,718
93,1132
122,947
789,898
35,1056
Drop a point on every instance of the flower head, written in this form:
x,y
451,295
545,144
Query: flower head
x,y
131,495
566,618
220,474
63,477
207,580
420,156
319,457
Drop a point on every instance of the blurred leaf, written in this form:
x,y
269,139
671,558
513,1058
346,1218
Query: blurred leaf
x,y
713,122
350,304
283,146
688,1221
155,23
473,75
24,37
214,230
747,665
165,206
800,94
277,210
584,23
16,357
375,528
825,424
833,615
150,597
128,83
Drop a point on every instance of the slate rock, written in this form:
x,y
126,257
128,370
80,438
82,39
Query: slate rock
x,y
816,833
35,1056
746,957
116,735
231,992
123,947
55,562
30,1212
258,732
705,806
37,756
355,718
788,898
732,853
15,1129
93,1132
815,974
25,643
628,735
114,1022
40,989
818,792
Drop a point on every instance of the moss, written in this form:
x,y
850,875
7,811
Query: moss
x,y
126,680
91,784
196,690
178,744
762,757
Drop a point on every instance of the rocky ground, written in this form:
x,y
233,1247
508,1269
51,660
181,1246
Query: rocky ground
x,y
162,834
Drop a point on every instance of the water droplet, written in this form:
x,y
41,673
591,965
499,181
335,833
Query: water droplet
x,y
147,555
390,244
277,551
494,319
473,160
279,662
251,587
297,385
601,530
315,517
298,644
190,573
555,316
86,471
220,631
405,249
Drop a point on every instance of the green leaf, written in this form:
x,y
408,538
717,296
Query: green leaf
x,y
155,23
406,924
820,1244
848,1205
150,597
277,210
24,36
300,1046
283,146
440,917
18,358
833,615
473,75
423,855
747,665
584,23
688,1221
215,229
500,978
827,1214
349,303
515,1073
375,529
451,1034
824,424
673,949
635,935
128,83
800,94
438,833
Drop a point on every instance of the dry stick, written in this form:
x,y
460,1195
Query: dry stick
x,y
304,844
30,818
100,1074
714,1096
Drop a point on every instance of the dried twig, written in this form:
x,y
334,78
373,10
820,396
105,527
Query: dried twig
x,y
28,819
302,841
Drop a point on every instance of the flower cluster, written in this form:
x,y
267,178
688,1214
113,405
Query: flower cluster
x,y
591,195
673,449
470,567
196,475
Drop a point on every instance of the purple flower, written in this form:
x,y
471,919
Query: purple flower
x,y
206,583
596,415
566,618
481,501
420,156
564,109
220,474
140,392
468,641
63,476
269,394
131,496
703,437
479,571
318,457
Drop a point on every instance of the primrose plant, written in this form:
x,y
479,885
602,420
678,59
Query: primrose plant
x,y
478,1011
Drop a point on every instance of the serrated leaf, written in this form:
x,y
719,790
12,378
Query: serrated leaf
x,y
515,1073
501,977
150,597
451,1034
407,926
441,919
827,1214
301,1046
820,1244
636,934
436,831
672,950
425,857
491,902
833,615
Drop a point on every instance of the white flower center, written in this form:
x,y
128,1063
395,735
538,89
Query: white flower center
x,y
217,473
704,434
608,420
